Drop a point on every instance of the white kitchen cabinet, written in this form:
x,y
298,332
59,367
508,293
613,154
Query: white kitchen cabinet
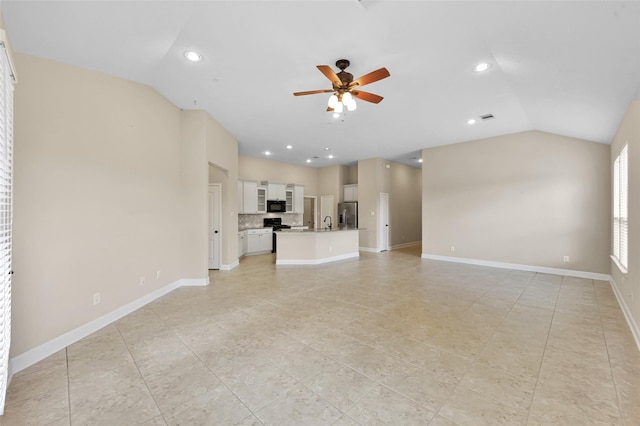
x,y
276,191
350,192
261,199
240,197
298,199
242,243
259,240
249,196
289,203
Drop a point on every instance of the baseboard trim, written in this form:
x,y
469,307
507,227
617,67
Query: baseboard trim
x,y
317,261
403,245
39,353
369,249
230,266
193,282
520,267
633,326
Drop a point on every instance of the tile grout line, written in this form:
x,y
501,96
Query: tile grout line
x,y
66,359
606,345
475,359
535,389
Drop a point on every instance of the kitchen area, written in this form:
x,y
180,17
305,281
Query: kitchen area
x,y
272,219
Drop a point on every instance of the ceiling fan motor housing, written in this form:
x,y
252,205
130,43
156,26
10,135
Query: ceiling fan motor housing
x,y
345,77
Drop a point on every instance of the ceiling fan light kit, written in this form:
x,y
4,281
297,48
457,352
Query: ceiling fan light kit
x,y
344,91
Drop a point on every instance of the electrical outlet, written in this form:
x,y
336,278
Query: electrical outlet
x,y
96,298
566,259
142,280
453,248
158,274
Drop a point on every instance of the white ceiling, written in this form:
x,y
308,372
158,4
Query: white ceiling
x,y
569,68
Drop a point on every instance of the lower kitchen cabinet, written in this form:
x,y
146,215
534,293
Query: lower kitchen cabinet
x,y
259,240
242,243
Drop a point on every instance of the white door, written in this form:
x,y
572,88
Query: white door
x,y
383,223
214,225
326,211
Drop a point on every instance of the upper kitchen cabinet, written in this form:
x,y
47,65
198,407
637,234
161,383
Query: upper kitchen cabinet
x,y
276,191
298,199
289,204
350,192
249,197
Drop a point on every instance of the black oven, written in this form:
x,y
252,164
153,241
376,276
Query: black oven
x,y
276,224
276,206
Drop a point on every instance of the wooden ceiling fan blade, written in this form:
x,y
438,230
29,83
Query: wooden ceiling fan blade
x,y
366,96
312,92
372,77
330,74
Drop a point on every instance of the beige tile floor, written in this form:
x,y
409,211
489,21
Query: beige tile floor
x,y
386,339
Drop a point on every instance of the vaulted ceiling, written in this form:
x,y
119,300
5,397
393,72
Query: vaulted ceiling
x,y
569,68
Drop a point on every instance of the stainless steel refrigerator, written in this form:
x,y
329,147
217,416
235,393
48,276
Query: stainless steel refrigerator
x,y
348,214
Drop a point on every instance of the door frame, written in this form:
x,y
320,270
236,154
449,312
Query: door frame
x,y
383,221
314,213
218,213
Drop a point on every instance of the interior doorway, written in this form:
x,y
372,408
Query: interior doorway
x,y
309,215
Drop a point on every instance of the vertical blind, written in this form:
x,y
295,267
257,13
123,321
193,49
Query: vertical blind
x,y
620,210
7,78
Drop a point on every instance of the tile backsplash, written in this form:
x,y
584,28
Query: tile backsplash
x,y
252,221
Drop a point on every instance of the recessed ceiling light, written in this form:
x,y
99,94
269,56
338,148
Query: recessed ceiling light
x,y
193,56
419,160
482,67
289,147
308,160
327,149
267,153
330,156
471,121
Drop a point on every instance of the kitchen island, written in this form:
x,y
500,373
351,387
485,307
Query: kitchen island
x,y
316,246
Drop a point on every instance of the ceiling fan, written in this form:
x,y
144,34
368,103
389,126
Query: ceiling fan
x,y
345,88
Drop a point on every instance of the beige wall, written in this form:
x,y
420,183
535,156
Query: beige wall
x,y
629,284
371,182
222,151
194,181
527,198
405,204
330,183
97,196
261,169
403,184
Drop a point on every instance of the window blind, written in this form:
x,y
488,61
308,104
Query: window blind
x,y
7,79
620,207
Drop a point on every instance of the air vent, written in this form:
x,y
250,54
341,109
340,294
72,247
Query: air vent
x,y
487,116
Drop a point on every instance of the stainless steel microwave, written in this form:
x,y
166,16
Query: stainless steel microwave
x,y
276,206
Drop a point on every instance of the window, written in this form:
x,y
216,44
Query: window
x,y
620,210
7,78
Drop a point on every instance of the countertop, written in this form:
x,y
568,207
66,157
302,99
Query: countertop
x,y
316,231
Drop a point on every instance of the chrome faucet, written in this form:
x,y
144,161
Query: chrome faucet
x,y
325,221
